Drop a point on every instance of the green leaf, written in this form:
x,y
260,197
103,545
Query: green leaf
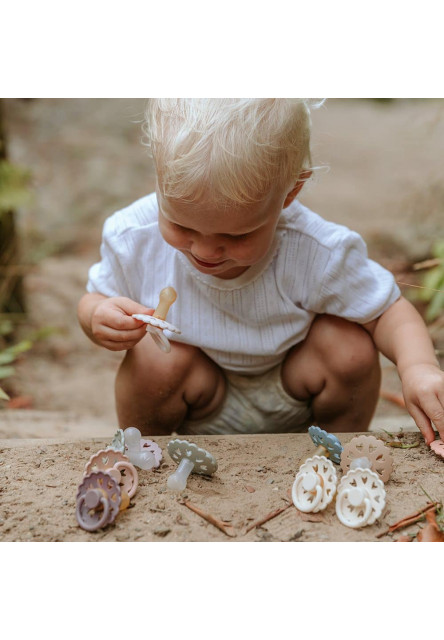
x,y
3,395
14,191
20,347
5,327
436,307
6,357
434,278
438,249
6,372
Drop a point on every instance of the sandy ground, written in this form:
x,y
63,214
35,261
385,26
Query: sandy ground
x,y
381,175
253,479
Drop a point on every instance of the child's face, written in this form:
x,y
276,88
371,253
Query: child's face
x,y
221,243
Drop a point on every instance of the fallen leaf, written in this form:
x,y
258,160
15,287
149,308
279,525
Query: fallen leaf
x,y
401,445
20,402
404,539
431,532
250,489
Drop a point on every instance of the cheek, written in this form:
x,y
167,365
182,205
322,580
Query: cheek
x,y
246,251
253,249
173,237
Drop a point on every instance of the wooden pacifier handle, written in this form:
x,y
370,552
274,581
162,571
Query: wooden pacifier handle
x,y
166,298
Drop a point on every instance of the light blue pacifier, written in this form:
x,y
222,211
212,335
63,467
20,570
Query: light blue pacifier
x,y
315,484
328,445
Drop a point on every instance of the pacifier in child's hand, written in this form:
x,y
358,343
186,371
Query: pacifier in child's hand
x,y
156,323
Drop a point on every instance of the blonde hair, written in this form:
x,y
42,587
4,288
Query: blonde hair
x,y
229,149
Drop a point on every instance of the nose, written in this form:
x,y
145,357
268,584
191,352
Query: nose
x,y
207,248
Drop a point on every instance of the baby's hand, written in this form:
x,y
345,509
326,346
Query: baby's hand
x,y
113,327
423,388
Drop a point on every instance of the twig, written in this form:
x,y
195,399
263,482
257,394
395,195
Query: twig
x,y
426,264
268,517
408,520
417,286
220,524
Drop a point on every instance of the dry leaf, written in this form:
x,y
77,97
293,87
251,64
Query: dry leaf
x,y
404,539
431,532
250,489
20,402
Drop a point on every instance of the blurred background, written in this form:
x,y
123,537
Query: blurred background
x,y
67,164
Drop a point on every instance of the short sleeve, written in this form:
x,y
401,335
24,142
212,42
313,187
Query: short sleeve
x,y
107,276
353,286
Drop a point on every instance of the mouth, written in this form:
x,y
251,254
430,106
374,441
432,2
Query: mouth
x,y
208,265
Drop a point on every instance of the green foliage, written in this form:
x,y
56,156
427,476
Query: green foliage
x,y
10,354
433,283
14,183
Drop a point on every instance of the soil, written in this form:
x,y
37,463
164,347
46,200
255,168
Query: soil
x,y
253,479
381,174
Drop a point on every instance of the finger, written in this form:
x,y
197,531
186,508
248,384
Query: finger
x,y
432,406
423,423
122,322
436,414
117,336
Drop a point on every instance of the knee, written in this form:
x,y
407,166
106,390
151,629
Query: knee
x,y
145,363
347,348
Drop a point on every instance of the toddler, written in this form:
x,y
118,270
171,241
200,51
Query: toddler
x,y
282,313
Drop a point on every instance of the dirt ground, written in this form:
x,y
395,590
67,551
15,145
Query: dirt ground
x,y
381,173
254,477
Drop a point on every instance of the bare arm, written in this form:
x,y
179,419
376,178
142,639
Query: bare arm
x,y
108,321
401,335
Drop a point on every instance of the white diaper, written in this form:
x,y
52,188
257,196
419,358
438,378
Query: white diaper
x,y
254,404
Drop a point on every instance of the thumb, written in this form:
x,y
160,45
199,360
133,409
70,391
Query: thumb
x,y
129,307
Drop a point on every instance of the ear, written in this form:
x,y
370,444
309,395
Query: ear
x,y
291,195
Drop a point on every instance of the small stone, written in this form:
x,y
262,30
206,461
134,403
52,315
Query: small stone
x,y
270,480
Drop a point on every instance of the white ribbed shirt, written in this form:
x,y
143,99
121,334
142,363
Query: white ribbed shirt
x,y
246,324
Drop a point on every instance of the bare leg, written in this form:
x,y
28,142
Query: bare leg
x,y
156,391
337,366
